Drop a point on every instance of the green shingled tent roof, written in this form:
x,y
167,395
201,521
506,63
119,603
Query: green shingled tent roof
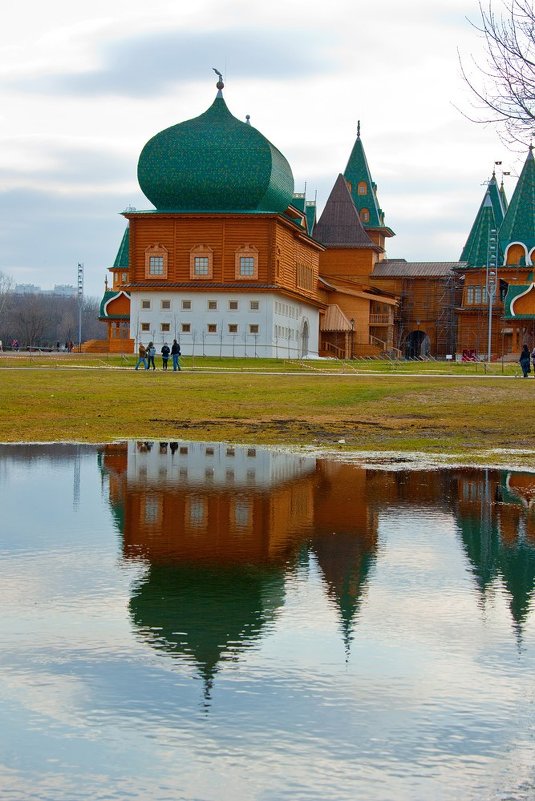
x,y
476,251
122,258
357,171
519,221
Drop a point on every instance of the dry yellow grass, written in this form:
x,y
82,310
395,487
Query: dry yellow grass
x,y
464,416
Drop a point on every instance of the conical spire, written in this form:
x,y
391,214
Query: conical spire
x,y
503,196
123,256
340,224
363,189
519,222
488,219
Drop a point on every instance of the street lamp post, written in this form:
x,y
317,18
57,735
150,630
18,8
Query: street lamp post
x,y
490,285
80,303
352,324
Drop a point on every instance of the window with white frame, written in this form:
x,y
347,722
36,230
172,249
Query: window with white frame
x,y
232,328
254,305
212,305
186,305
145,326
247,266
145,304
165,327
185,328
211,328
233,305
253,329
156,265
166,304
201,265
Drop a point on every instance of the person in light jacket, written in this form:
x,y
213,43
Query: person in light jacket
x,y
151,353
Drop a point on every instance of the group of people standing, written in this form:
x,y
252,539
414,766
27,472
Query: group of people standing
x,y
146,355
526,358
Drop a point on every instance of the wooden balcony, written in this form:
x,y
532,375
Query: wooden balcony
x,y
380,319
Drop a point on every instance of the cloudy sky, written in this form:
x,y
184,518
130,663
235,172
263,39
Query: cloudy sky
x,y
84,86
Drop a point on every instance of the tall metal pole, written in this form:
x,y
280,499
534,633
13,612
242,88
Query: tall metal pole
x,y
80,303
490,285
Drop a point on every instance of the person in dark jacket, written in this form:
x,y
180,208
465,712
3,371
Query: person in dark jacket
x,y
525,361
175,354
151,353
165,355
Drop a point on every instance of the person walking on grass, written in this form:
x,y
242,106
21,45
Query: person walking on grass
x,y
142,356
165,355
175,353
151,353
525,361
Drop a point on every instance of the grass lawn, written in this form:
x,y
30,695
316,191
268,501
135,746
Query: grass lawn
x,y
435,407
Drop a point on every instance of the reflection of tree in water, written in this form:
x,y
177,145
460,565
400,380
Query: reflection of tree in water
x,y
206,614
495,522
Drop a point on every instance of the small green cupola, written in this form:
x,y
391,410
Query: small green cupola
x,y
215,163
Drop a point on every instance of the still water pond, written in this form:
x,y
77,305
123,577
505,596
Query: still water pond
x,y
201,622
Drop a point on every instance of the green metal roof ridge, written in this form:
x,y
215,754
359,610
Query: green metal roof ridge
x,y
204,211
519,221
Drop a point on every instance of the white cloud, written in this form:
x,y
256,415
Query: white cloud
x,y
86,86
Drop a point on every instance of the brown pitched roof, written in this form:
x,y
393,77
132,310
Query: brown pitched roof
x,y
399,268
339,224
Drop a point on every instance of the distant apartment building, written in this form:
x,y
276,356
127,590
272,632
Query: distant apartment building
x,y
62,290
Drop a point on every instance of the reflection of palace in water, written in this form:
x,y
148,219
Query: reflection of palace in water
x,y
222,526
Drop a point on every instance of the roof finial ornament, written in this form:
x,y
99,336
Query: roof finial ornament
x,y
358,129
247,119
220,83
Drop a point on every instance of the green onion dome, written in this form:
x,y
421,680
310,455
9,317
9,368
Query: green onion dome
x,y
214,162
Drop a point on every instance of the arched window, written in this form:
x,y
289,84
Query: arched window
x,y
365,215
362,188
516,254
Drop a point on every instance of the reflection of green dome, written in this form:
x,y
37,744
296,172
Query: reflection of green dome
x,y
214,163
206,613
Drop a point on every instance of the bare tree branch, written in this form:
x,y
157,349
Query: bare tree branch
x,y
504,84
